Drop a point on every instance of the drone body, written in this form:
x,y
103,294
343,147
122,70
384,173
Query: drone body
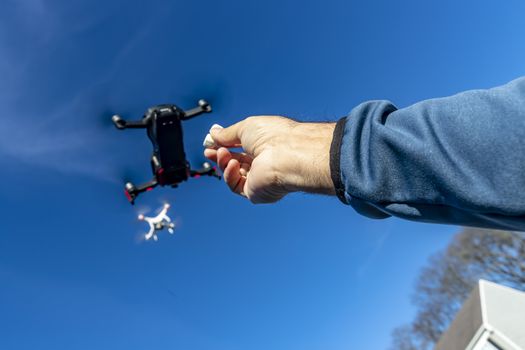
x,y
168,161
158,223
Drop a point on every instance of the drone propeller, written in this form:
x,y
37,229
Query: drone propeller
x,y
216,92
128,175
104,118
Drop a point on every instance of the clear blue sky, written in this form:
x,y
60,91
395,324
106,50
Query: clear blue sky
x,y
307,273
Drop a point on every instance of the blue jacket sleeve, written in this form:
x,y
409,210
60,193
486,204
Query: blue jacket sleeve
x,y
455,160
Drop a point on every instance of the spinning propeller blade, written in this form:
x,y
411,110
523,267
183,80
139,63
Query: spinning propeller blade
x,y
215,91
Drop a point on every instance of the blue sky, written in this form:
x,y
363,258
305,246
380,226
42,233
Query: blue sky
x,y
306,273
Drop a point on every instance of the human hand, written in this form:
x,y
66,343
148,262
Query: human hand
x,y
279,156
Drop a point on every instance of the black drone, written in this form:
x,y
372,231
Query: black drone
x,y
168,162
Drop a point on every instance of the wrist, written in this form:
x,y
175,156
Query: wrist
x,y
308,156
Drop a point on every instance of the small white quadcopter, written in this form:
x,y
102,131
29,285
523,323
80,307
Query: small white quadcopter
x,y
158,223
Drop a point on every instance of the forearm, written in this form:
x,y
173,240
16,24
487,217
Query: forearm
x,y
458,160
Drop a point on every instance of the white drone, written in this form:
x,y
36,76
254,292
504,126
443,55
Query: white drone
x,y
158,223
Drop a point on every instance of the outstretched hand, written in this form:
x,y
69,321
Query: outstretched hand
x,y
278,156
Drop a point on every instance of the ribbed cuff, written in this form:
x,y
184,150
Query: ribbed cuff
x,y
335,159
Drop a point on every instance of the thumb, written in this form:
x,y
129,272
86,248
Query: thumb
x,y
227,137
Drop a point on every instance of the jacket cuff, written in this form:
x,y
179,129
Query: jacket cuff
x,y
335,160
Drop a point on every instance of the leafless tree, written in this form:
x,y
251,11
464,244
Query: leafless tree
x,y
449,277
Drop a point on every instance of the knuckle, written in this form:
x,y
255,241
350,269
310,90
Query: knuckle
x,y
254,121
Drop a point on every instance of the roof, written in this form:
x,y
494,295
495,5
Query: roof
x,y
493,313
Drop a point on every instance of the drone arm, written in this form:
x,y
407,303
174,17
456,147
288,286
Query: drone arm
x,y
124,124
148,186
161,215
133,191
137,124
203,107
150,232
206,170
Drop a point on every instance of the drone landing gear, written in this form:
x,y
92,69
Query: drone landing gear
x,y
133,191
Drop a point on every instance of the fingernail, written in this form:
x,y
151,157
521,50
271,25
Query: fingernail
x,y
216,126
208,142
